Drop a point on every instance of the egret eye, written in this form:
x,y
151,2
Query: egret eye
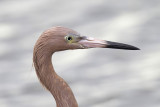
x,y
69,38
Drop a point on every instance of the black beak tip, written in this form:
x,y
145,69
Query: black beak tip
x,y
132,48
135,48
116,45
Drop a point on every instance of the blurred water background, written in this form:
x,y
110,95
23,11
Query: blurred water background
x,y
98,77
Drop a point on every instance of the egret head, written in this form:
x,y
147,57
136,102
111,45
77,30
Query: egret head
x,y
60,38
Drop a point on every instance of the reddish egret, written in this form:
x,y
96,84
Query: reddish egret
x,y
59,39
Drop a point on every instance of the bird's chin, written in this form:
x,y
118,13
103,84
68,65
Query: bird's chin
x,y
86,46
83,47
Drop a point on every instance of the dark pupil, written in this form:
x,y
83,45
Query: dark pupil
x,y
69,38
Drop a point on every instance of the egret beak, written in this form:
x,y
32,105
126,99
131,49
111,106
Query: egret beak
x,y
89,42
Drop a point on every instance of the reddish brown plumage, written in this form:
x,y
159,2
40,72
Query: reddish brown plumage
x,y
48,43
53,40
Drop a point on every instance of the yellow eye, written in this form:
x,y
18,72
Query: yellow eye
x,y
69,39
